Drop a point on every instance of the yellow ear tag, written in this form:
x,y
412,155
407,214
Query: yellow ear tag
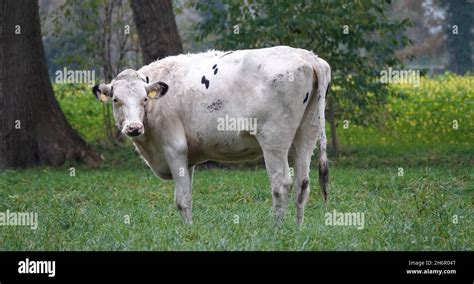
x,y
152,94
102,97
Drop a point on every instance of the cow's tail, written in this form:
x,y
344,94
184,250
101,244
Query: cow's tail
x,y
323,72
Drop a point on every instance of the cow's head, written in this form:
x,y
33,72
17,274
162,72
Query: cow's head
x,y
129,92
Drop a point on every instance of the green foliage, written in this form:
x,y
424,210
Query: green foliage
x,y
357,56
427,115
75,27
90,34
82,110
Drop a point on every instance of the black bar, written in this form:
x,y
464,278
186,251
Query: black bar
x,y
240,265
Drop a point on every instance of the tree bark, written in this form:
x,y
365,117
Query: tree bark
x,y
33,129
459,45
157,29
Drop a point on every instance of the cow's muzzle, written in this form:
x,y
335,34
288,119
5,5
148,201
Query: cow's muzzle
x,y
134,129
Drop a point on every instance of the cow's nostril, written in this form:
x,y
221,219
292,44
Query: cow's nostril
x,y
134,132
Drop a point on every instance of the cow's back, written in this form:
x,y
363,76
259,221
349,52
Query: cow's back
x,y
255,80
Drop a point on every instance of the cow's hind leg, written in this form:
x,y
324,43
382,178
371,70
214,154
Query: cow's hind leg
x,y
275,153
304,144
310,131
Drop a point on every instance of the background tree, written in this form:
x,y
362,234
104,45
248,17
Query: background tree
x,y
157,29
33,130
101,33
356,38
459,32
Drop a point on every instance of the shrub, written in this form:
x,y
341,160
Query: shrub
x,y
82,110
424,115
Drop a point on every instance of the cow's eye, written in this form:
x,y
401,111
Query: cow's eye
x,y
146,99
115,100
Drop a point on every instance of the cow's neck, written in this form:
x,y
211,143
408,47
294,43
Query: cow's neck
x,y
151,152
144,143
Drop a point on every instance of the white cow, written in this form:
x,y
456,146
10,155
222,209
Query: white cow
x,y
227,106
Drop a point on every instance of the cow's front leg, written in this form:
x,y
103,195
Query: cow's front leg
x,y
178,164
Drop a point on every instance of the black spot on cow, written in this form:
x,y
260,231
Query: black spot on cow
x,y
278,79
217,105
304,188
215,69
230,52
306,98
205,82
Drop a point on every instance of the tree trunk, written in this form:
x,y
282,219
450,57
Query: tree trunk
x,y
332,124
157,29
459,44
33,130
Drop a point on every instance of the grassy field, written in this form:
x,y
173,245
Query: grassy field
x,y
88,211
428,133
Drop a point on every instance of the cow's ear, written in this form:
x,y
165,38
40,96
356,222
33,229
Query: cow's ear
x,y
156,89
102,92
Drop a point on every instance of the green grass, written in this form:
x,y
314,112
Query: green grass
x,y
87,212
